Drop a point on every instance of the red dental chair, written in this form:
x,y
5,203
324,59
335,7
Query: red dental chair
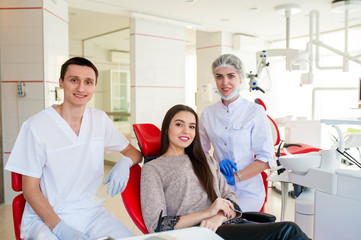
x,y
148,136
264,207
18,202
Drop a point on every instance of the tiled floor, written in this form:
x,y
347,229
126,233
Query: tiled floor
x,y
115,205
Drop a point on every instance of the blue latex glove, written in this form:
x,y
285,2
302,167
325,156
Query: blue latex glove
x,y
230,179
64,232
227,166
118,176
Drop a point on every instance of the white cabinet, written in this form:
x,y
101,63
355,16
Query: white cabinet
x,y
116,91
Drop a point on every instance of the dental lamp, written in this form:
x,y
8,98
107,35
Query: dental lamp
x,y
295,59
253,83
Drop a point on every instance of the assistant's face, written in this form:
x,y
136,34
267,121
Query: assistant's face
x,y
78,84
182,130
227,80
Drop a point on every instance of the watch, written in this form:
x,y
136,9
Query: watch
x,y
239,175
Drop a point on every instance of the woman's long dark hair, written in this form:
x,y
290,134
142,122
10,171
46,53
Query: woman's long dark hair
x,y
194,150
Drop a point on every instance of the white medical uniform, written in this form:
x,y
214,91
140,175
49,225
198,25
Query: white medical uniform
x,y
70,169
240,133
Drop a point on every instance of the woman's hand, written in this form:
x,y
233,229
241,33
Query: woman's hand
x,y
220,211
227,167
221,205
213,223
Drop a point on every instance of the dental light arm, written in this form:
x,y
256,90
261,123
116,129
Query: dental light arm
x,y
253,85
262,64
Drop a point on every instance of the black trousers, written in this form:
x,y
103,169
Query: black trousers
x,y
262,231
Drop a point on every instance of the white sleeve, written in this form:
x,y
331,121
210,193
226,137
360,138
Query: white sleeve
x,y
205,141
28,156
262,143
115,141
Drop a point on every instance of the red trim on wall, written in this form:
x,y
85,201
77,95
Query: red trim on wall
x,y
214,46
32,8
29,81
22,81
7,152
20,8
56,15
155,36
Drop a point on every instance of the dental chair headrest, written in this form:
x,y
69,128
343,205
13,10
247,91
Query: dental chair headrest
x,y
260,102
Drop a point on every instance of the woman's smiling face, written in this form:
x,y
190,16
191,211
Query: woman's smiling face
x,y
182,130
227,80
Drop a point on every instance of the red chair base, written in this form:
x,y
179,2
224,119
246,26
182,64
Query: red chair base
x,y
131,198
18,209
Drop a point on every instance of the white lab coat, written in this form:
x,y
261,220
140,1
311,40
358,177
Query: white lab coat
x,y
70,167
238,133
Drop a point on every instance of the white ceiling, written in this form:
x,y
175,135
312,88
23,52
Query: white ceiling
x,y
257,18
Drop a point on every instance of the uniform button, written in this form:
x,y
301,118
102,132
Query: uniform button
x,y
225,144
227,110
225,127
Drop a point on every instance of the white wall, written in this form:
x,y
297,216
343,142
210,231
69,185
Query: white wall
x,y
34,37
209,46
157,70
191,76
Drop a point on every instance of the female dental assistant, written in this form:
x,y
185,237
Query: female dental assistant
x,y
240,134
60,153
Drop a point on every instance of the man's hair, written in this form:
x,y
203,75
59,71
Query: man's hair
x,y
77,61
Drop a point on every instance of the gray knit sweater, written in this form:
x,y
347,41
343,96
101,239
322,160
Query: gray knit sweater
x,y
170,184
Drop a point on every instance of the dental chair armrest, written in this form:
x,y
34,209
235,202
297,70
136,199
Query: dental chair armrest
x,y
260,217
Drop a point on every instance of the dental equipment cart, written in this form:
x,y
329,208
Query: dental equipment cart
x,y
330,208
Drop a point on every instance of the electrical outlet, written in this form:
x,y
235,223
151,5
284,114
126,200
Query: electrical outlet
x,y
21,89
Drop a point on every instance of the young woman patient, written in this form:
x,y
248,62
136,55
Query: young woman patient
x,y
184,188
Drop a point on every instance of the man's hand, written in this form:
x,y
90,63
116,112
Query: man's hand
x,y
64,232
118,176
